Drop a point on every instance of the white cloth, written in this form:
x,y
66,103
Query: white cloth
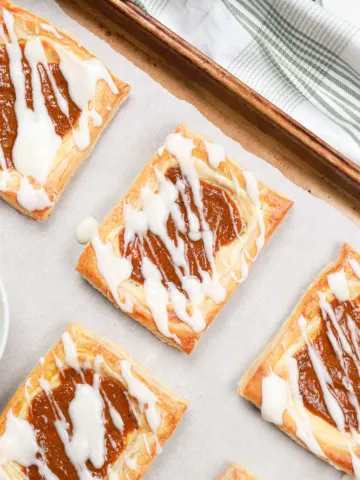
x,y
298,54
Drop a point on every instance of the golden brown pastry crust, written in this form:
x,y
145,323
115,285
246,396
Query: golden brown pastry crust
x,y
69,157
289,338
235,472
88,346
274,208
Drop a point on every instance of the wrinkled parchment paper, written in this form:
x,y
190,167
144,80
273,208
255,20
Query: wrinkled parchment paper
x,y
45,293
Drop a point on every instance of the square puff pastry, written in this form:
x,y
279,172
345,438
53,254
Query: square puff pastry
x,y
306,381
56,99
234,472
183,237
87,409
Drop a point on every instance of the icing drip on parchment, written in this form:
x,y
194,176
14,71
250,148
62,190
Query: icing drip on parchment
x,y
37,144
86,229
342,334
86,441
157,207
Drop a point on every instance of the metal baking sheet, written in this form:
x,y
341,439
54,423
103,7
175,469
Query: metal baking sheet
x,y
45,293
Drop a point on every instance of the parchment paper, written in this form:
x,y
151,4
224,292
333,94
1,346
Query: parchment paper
x,y
45,293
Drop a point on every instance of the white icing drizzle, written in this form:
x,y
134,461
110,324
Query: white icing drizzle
x,y
26,392
215,152
35,128
144,396
58,362
114,414
324,378
182,148
355,463
88,438
355,336
87,441
112,268
156,208
71,357
36,131
153,216
298,412
330,317
86,229
32,198
82,77
156,297
338,285
354,264
328,313
235,181
130,462
18,443
252,188
340,344
234,277
50,28
146,443
275,398
4,178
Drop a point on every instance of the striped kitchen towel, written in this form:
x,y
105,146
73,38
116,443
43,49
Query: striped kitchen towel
x,y
296,53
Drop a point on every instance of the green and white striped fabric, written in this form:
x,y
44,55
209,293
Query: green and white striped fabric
x,y
296,53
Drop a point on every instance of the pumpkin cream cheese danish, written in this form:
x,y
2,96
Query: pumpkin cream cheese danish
x,y
183,237
88,410
307,380
55,100
235,472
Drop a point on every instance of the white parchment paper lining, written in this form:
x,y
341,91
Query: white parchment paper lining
x,y
45,293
